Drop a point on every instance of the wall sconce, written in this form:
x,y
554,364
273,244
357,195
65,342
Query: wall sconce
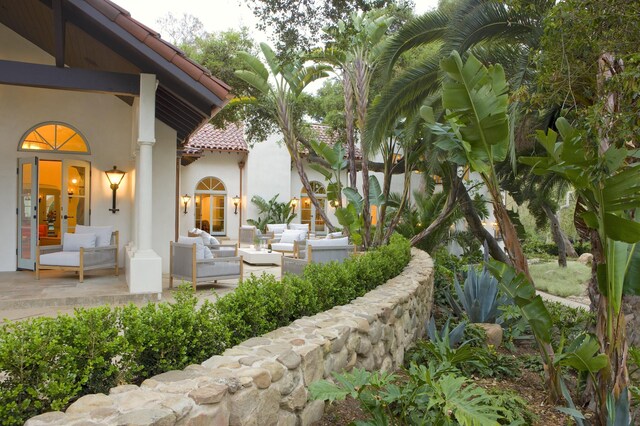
x,y
236,202
333,203
185,200
115,176
294,204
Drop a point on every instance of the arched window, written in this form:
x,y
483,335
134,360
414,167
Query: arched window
x,y
211,205
308,212
54,137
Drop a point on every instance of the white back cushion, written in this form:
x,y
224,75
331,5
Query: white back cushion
x,y
299,226
73,242
103,233
331,235
214,240
333,242
277,228
200,253
291,235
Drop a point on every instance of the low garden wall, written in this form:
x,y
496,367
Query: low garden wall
x,y
264,380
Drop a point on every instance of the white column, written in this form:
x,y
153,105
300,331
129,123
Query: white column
x,y
145,274
146,140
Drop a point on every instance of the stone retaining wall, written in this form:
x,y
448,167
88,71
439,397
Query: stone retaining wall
x,y
263,381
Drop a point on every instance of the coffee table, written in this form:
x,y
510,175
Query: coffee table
x,y
259,257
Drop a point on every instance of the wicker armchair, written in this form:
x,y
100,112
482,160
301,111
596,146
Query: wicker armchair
x,y
185,265
317,251
84,259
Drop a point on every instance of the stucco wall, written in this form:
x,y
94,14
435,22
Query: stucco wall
x,y
264,380
107,123
222,165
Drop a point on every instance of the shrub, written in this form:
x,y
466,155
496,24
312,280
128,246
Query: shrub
x,y
47,363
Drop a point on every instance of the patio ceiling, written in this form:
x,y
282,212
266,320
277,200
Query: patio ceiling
x,y
98,35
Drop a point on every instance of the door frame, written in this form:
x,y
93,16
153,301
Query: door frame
x,y
27,263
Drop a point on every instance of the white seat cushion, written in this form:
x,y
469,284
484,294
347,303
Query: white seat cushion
x,y
331,235
334,242
61,258
200,248
73,242
103,233
291,235
282,246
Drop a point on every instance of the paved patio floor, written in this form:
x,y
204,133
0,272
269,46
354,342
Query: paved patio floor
x,y
57,292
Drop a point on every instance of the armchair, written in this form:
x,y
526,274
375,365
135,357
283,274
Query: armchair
x,y
292,241
248,234
186,264
318,251
80,252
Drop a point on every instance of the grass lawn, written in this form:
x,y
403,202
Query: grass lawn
x,y
569,281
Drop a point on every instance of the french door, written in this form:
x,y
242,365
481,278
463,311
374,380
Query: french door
x,y
27,212
53,197
310,216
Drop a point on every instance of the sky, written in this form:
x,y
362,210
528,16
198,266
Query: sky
x,y
216,15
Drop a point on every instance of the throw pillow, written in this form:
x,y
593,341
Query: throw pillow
x,y
194,240
73,242
102,233
291,235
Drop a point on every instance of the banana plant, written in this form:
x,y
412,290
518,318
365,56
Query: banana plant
x,y
335,158
352,217
477,129
280,87
607,181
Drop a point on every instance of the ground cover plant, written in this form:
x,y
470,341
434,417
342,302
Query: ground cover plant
x,y
47,363
569,281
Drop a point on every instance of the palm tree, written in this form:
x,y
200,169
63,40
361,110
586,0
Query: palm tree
x,y
495,32
290,80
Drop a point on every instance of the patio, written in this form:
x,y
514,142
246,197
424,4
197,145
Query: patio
x,y
21,296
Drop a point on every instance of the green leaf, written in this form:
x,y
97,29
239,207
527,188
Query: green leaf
x,y
582,354
632,274
322,170
271,58
254,65
254,80
621,229
376,197
354,198
326,391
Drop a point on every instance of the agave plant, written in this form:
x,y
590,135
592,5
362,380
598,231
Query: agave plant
x,y
479,298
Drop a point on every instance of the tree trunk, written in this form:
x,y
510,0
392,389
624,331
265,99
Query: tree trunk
x,y
349,128
568,246
475,225
307,186
386,188
556,233
509,234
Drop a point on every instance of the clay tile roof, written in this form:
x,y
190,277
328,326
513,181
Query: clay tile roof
x,y
209,138
329,136
168,51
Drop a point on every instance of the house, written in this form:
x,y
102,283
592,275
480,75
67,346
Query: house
x,y
218,166
84,87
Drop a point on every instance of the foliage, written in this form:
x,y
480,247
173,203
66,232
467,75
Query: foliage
x,y
430,394
534,247
606,179
446,265
480,298
273,211
569,281
568,322
46,363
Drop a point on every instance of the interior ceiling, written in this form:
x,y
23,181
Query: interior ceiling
x,y
33,20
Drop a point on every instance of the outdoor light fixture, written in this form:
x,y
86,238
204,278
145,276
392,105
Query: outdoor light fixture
x,y
294,204
185,200
115,176
236,202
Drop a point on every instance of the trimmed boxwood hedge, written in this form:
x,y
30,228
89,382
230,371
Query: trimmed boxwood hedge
x,y
47,363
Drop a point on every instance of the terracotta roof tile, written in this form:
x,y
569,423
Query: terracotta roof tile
x,y
209,138
152,39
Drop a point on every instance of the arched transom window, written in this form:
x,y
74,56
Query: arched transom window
x,y
55,137
211,205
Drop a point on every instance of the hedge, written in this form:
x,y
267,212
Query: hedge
x,y
47,363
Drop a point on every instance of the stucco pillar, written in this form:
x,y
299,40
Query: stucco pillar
x,y
145,275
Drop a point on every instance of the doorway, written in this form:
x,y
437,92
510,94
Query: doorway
x,y
308,213
53,197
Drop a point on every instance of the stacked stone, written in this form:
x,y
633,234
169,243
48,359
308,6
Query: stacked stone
x,y
264,380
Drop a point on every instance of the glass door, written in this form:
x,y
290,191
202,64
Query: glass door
x,y
76,181
309,215
27,212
